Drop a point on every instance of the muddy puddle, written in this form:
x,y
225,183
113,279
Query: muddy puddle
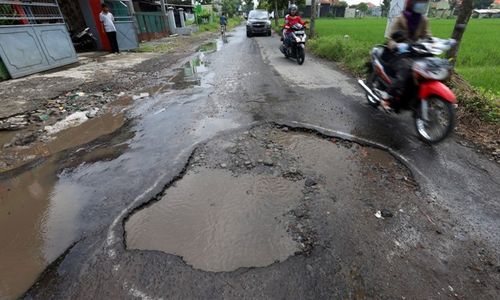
x,y
219,222
32,208
40,206
68,138
190,74
244,199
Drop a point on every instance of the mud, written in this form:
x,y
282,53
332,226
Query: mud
x,y
15,156
49,97
349,248
40,207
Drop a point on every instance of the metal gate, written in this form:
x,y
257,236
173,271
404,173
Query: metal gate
x,y
33,37
126,32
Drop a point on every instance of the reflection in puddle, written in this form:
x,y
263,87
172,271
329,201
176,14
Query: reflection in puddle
x,y
218,222
68,138
208,47
189,75
39,217
24,210
40,208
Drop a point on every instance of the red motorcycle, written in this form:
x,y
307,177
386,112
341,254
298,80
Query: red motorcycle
x,y
433,103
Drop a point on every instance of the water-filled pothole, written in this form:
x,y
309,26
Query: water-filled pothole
x,y
208,47
219,222
189,74
247,199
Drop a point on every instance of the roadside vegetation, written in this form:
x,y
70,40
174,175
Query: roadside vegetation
x,y
348,41
169,45
215,26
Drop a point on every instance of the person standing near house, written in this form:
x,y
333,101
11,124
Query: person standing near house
x,y
108,23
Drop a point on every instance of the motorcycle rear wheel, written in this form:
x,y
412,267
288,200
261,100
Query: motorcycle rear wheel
x,y
301,56
441,121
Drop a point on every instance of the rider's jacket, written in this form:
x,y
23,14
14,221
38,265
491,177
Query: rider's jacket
x,y
292,20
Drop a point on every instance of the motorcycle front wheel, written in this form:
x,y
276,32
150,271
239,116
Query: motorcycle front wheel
x,y
440,121
301,55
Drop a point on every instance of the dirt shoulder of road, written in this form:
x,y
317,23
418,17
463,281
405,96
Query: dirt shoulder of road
x,y
471,123
35,107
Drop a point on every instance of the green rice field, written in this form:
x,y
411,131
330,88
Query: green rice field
x,y
349,40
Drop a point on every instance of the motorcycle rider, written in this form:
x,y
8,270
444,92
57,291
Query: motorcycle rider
x,y
408,27
291,19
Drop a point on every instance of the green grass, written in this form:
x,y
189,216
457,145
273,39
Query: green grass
x,y
348,41
215,26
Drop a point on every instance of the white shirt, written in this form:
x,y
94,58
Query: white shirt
x,y
108,21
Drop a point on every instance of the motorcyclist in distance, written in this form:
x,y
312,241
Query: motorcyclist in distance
x,y
410,26
290,20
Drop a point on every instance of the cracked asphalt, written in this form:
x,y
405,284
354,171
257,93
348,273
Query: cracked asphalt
x,y
247,111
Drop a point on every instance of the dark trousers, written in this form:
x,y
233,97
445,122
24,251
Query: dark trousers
x,y
112,40
288,39
402,67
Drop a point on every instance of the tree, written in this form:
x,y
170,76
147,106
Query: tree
x,y
276,14
312,26
278,4
340,7
341,4
249,5
465,11
363,7
453,4
264,5
386,5
230,6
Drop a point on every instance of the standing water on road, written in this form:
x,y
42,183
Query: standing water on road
x,y
219,222
39,207
243,202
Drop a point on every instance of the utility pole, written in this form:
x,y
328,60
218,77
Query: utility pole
x,y
276,14
312,31
395,9
460,25
164,11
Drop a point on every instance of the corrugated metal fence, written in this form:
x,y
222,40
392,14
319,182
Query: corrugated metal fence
x,y
152,25
33,37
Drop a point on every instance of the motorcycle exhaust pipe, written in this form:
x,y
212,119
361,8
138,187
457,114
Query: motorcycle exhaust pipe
x,y
368,90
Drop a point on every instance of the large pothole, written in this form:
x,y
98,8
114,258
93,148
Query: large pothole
x,y
219,222
245,199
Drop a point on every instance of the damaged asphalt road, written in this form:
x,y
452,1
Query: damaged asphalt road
x,y
247,176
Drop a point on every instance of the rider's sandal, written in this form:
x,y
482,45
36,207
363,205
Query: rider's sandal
x,y
386,106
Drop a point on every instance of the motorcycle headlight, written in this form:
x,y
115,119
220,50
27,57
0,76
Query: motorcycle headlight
x,y
298,40
268,22
248,23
